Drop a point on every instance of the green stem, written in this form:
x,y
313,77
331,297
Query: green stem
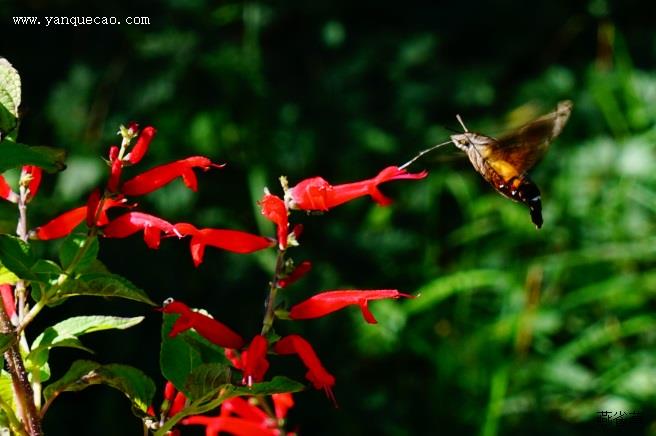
x,y
269,314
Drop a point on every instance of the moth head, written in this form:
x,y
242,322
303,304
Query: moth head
x,y
465,140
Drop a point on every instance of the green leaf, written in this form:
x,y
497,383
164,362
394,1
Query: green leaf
x,y
14,154
16,256
206,380
277,385
66,333
136,385
10,96
72,246
99,285
6,389
46,271
7,276
181,355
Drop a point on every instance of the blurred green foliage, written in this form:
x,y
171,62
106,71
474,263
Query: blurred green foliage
x,y
517,331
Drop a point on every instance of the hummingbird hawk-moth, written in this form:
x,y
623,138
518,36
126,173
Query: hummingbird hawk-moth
x,y
504,162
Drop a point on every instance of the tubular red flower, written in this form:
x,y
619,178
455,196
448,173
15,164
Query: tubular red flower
x,y
331,301
214,425
244,409
116,169
6,192
92,206
169,391
65,223
282,403
273,208
132,222
141,146
317,194
317,374
254,361
298,272
34,173
162,175
230,240
209,328
7,294
178,404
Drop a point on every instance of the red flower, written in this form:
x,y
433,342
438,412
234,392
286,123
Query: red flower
x,y
141,146
234,426
92,206
317,194
231,240
65,223
116,169
282,403
331,301
298,272
178,403
30,177
132,222
162,175
273,208
34,174
7,294
242,417
209,328
317,374
254,361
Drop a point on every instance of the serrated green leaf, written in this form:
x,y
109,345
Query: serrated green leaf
x,y
16,256
136,385
14,154
181,355
99,285
66,333
206,379
71,247
10,96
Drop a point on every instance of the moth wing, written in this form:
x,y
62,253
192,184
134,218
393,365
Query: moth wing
x,y
524,147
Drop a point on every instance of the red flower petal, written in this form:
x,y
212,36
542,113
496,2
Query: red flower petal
x,y
317,194
209,328
230,240
300,270
162,175
35,179
282,403
6,191
330,301
62,225
132,222
141,146
255,363
169,391
92,206
228,425
273,208
317,374
178,404
244,409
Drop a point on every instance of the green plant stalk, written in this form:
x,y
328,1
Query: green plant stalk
x,y
269,314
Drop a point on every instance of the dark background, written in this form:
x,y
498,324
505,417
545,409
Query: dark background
x,y
517,331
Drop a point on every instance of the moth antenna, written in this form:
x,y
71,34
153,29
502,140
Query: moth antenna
x,y
421,153
461,123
